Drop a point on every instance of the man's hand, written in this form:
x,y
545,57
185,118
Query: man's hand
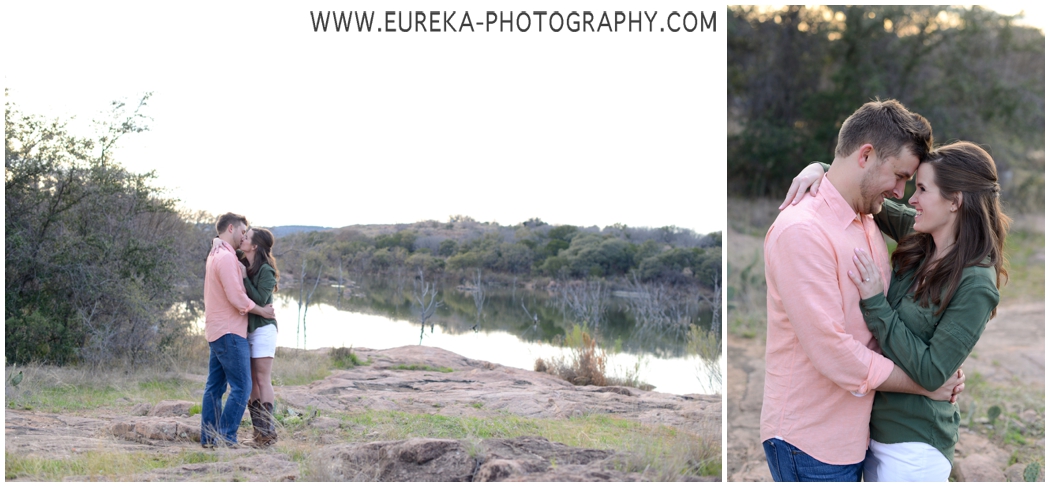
x,y
950,390
264,311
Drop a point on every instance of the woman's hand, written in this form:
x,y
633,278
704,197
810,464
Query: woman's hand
x,y
950,390
215,244
809,179
867,278
244,271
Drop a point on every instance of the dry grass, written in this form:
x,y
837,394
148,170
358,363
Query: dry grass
x,y
585,364
97,465
660,451
293,367
61,389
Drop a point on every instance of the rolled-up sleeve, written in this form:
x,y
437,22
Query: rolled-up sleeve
x,y
807,279
232,286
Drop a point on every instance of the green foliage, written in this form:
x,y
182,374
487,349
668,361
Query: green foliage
x,y
1031,472
797,72
95,257
586,364
707,346
993,413
670,254
448,248
405,239
344,358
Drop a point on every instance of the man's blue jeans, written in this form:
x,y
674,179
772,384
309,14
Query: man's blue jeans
x,y
229,363
789,464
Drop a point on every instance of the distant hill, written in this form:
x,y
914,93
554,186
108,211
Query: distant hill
x,y
283,230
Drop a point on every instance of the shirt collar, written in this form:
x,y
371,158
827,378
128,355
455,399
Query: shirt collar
x,y
841,211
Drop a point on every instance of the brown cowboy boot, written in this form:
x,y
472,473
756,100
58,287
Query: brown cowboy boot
x,y
258,424
269,430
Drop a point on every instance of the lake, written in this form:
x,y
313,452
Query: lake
x,y
378,314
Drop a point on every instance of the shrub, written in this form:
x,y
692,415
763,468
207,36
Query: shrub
x,y
344,358
587,366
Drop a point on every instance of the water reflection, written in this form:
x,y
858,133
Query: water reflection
x,y
510,326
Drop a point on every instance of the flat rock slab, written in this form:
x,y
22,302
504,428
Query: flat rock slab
x,y
148,430
473,389
256,468
479,388
526,458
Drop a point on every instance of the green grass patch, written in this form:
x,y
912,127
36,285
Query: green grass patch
x,y
344,358
1020,422
649,446
1024,253
421,367
293,367
96,465
69,389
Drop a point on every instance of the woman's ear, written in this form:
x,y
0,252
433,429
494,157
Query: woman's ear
x,y
957,200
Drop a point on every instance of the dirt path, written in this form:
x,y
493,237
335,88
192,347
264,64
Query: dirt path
x,y
1011,351
473,388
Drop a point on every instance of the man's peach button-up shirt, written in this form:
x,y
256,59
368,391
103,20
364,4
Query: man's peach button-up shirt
x,y
821,360
226,304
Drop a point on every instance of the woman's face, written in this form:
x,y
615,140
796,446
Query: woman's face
x,y
934,214
246,244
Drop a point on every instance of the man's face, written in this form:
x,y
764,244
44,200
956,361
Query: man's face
x,y
239,230
885,178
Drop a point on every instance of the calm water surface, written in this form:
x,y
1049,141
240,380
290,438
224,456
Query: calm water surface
x,y
375,315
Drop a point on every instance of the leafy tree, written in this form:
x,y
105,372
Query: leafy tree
x,y
96,259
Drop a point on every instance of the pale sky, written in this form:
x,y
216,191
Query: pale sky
x,y
257,114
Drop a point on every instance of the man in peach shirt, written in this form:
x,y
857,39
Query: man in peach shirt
x,y
226,328
821,360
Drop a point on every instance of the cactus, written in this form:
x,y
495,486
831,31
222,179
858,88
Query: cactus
x,y
993,413
1031,472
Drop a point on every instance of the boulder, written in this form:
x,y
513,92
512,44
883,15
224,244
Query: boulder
x,y
172,408
979,468
413,460
141,409
148,429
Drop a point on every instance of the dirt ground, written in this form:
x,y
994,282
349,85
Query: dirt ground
x,y
474,388
1011,351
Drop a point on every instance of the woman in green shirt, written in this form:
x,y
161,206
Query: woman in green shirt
x,y
947,270
260,284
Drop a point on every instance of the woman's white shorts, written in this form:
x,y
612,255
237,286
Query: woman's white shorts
x,y
263,341
905,462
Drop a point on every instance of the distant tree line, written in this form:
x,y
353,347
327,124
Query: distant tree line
x,y
102,267
795,73
530,249
99,266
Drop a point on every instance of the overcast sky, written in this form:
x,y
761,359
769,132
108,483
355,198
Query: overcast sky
x,y
255,113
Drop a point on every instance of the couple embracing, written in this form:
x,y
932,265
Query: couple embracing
x,y
240,278
863,349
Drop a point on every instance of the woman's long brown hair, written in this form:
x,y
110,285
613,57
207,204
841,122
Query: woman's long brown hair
x,y
263,241
966,174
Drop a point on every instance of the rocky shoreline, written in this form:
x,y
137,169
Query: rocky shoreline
x,y
438,382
